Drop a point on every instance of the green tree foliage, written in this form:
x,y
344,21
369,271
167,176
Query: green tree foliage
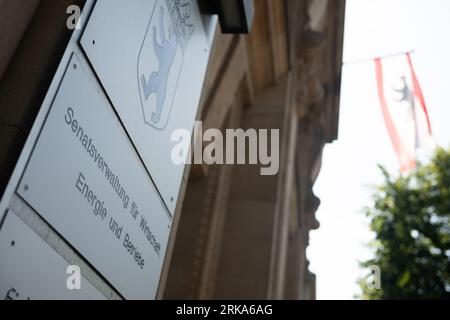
x,y
410,218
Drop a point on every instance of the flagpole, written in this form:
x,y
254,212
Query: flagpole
x,y
390,55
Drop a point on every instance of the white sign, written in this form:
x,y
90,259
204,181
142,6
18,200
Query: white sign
x,y
86,180
151,57
31,270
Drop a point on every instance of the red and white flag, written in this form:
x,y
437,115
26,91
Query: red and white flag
x,y
404,109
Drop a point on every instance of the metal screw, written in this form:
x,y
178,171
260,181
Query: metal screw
x,y
26,188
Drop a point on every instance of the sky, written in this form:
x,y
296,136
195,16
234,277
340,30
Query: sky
x,y
349,170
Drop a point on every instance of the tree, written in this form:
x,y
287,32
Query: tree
x,y
410,218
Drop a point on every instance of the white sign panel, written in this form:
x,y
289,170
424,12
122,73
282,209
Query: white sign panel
x,y
85,178
151,57
31,270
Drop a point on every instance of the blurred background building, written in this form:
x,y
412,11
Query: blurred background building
x,y
236,234
240,234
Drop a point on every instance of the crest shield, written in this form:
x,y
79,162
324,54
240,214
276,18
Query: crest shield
x,y
161,59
